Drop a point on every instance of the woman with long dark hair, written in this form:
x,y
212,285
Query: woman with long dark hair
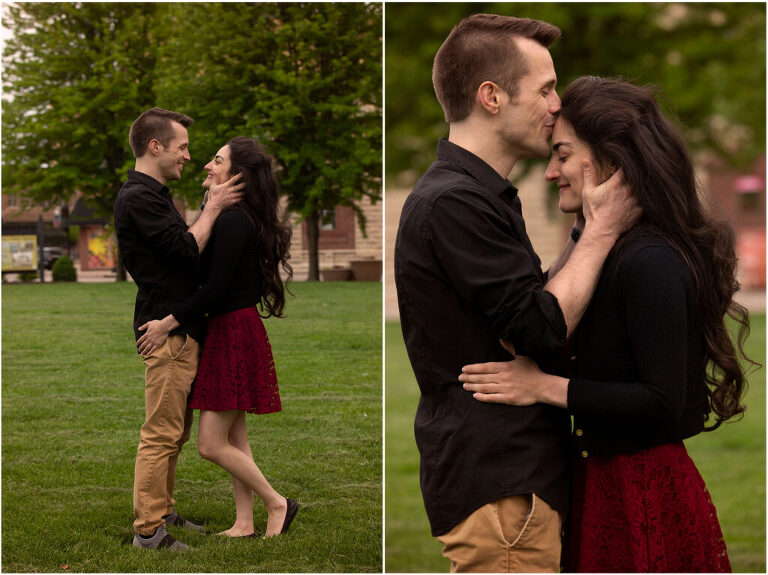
x,y
241,264
652,359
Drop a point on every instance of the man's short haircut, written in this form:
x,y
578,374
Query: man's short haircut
x,y
482,48
155,124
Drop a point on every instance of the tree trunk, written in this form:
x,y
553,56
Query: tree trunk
x,y
313,233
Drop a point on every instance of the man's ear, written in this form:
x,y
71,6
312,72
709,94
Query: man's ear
x,y
154,146
490,97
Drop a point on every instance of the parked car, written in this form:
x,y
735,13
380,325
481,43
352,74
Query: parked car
x,y
50,255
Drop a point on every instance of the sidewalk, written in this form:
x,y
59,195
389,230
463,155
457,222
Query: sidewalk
x,y
300,273
96,276
753,300
88,276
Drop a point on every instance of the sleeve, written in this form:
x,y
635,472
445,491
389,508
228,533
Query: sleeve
x,y
653,284
163,229
490,267
229,235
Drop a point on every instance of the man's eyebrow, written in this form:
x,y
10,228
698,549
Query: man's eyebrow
x,y
550,84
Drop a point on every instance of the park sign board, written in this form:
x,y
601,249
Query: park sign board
x,y
19,253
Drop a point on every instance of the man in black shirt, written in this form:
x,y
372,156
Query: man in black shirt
x,y
161,253
493,477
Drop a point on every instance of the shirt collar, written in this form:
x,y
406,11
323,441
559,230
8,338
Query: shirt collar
x,y
474,166
151,182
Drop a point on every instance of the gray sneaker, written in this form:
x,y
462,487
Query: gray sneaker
x,y
179,521
160,540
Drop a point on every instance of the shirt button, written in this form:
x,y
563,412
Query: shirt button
x,y
585,454
579,433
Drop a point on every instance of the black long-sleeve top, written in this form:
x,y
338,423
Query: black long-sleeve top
x,y
230,267
639,353
157,250
466,276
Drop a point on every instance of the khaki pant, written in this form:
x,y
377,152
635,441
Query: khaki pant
x,y
517,534
169,374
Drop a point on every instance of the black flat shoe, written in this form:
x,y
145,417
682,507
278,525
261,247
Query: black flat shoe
x,y
249,536
293,509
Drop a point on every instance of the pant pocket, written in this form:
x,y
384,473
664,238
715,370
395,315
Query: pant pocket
x,y
177,344
514,515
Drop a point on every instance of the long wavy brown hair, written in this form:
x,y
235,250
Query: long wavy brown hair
x,y
625,128
260,203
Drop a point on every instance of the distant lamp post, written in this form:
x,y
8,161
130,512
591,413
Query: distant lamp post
x,y
41,248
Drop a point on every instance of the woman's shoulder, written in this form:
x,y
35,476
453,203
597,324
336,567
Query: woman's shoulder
x,y
233,216
645,254
233,223
646,246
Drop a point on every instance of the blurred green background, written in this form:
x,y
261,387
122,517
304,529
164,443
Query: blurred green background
x,y
709,58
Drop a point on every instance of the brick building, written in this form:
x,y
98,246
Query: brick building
x,y
341,239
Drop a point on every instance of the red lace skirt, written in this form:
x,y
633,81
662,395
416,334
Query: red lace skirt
x,y
645,512
236,368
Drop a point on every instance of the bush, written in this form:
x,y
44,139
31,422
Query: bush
x,y
64,270
27,277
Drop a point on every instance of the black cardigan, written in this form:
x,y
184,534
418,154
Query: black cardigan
x,y
639,353
230,267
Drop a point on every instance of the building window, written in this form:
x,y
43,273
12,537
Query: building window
x,y
328,220
13,201
337,229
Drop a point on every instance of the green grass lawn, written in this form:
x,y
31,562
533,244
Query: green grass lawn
x,y
73,403
731,460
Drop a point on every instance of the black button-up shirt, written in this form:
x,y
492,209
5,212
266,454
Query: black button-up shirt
x,y
157,250
466,276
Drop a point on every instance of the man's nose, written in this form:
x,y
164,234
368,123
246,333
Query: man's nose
x,y
554,104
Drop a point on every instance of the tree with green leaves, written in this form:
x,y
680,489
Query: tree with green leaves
x,y
709,58
302,78
74,76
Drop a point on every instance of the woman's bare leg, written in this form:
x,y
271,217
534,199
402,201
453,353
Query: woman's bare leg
x,y
213,445
238,436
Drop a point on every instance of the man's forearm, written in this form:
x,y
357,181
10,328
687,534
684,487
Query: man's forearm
x,y
574,284
570,243
202,227
565,254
